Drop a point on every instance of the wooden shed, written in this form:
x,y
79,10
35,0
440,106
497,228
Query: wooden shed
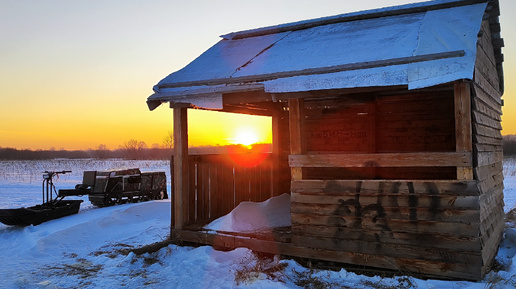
x,y
386,133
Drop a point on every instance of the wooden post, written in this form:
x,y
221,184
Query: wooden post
x,y
463,134
180,202
276,153
297,133
172,194
371,134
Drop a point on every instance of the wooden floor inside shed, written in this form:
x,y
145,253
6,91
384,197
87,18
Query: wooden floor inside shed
x,y
280,234
273,241
278,241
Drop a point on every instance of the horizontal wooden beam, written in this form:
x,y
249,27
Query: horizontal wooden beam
x,y
423,159
387,188
428,268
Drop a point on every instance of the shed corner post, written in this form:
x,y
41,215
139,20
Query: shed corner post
x,y
463,126
180,200
297,133
276,153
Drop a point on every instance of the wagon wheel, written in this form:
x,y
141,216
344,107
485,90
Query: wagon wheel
x,y
99,204
119,199
109,201
115,196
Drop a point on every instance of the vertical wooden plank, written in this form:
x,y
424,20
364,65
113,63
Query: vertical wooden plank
x,y
225,189
371,126
215,191
297,132
172,193
229,187
180,204
222,187
258,183
211,188
234,186
200,193
371,135
276,153
253,181
463,134
247,184
206,188
192,195
267,185
240,184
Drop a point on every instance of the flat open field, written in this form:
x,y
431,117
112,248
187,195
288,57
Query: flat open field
x,y
92,248
21,181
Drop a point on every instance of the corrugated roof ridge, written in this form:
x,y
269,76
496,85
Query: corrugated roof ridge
x,y
354,16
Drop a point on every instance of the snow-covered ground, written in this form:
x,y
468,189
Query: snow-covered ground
x,y
90,249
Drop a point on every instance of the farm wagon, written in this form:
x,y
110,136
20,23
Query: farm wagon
x,y
386,133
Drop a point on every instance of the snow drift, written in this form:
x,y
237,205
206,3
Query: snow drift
x,y
251,216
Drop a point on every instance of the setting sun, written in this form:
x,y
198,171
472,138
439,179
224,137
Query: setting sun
x,y
246,136
246,152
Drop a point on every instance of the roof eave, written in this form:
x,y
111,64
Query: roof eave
x,y
188,94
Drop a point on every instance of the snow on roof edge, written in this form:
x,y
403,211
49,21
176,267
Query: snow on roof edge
x,y
352,16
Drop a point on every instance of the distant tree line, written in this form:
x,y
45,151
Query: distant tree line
x,y
152,153
132,150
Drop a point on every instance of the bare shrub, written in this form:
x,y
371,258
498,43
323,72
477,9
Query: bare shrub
x,y
113,250
510,218
307,280
495,281
82,268
403,282
257,266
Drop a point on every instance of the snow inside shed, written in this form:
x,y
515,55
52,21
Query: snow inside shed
x,y
255,216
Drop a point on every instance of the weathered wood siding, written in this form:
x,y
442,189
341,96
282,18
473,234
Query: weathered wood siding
x,y
448,220
420,122
333,126
393,123
432,223
372,123
377,186
487,145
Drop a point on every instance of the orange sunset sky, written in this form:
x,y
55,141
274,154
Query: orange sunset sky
x,y
76,74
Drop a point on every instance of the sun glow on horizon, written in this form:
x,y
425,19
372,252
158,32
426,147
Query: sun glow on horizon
x,y
245,136
214,128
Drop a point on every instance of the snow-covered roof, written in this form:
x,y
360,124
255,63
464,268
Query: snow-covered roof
x,y
416,45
